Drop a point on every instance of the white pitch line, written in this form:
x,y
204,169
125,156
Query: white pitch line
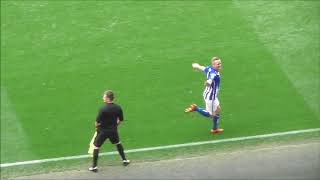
x,y
163,147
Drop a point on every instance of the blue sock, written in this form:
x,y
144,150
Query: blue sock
x,y
215,121
203,112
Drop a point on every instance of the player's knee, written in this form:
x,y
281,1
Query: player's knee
x,y
117,143
211,114
95,147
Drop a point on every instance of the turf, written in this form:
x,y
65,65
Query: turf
x,y
158,155
57,58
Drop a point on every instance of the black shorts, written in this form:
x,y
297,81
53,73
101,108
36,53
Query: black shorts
x,y
103,134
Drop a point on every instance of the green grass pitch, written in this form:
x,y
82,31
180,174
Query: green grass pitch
x,y
57,58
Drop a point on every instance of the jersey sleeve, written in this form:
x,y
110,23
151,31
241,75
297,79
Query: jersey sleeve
x,y
120,114
206,69
99,116
211,75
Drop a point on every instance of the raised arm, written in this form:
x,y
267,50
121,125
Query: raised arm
x,y
198,67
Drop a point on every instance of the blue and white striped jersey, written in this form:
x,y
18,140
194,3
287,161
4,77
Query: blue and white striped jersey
x,y
211,92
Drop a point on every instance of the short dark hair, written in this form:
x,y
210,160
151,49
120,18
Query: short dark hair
x,y
109,94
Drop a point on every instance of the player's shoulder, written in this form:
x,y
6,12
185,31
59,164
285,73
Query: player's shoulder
x,y
109,106
117,105
212,70
103,108
208,69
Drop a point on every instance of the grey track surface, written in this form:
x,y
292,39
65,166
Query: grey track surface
x,y
301,161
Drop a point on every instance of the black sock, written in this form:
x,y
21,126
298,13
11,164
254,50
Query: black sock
x,y
95,157
121,152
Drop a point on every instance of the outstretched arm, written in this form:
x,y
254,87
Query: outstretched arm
x,y
198,67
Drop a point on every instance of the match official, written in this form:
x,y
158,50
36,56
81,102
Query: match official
x,y
107,121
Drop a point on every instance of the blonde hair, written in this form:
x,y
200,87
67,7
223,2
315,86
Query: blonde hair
x,y
215,58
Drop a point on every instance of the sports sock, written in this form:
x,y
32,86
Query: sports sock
x,y
203,112
121,152
215,121
95,157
